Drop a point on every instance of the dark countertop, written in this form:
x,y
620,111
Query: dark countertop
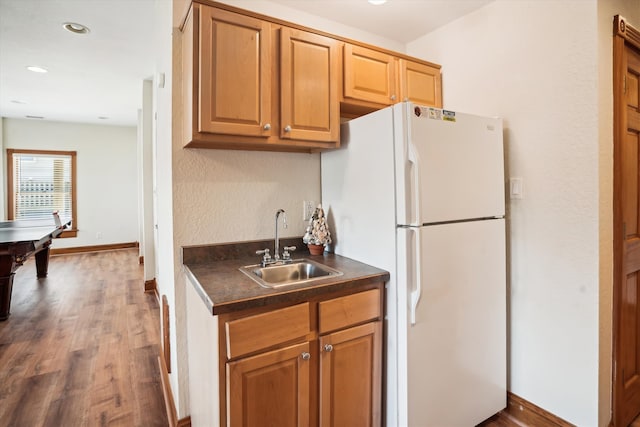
x,y
214,272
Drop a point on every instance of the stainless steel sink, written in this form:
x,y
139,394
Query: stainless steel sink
x,y
298,271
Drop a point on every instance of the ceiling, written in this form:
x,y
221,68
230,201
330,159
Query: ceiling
x,y
399,20
97,77
98,74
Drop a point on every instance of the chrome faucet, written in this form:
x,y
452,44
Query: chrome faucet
x,y
276,256
267,259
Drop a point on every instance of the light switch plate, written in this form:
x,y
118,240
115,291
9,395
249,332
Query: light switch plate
x,y
516,188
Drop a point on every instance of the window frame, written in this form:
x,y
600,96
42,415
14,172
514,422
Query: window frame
x,y
70,232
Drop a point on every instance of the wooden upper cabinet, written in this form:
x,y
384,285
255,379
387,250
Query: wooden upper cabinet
x,y
309,104
370,75
235,74
257,83
421,83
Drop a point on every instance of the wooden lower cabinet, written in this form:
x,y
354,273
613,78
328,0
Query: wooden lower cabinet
x,y
329,378
270,389
350,372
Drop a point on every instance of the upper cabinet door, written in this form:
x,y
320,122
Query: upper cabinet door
x,y
235,74
310,108
369,75
421,84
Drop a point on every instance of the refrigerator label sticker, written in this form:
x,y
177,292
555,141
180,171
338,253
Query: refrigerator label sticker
x,y
435,113
430,112
449,116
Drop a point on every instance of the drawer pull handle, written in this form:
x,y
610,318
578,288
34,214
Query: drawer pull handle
x,y
267,126
306,356
328,347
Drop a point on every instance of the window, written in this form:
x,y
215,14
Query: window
x,y
40,182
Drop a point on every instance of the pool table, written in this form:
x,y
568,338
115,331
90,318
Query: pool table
x,y
20,239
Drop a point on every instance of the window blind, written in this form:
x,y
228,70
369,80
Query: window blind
x,y
42,184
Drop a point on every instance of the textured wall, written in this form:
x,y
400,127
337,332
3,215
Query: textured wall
x,y
106,174
535,64
225,196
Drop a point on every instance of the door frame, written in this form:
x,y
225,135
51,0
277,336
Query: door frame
x,y
625,36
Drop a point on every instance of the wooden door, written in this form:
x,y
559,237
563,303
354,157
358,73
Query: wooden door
x,y
421,83
309,102
626,379
350,377
369,75
270,389
234,74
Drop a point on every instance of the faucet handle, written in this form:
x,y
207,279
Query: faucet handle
x,y
266,257
286,255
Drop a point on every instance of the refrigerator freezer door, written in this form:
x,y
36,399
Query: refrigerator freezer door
x,y
449,166
456,350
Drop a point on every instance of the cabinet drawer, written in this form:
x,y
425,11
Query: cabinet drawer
x,y
350,310
266,330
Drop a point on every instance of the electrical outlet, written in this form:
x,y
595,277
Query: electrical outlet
x,y
308,207
99,235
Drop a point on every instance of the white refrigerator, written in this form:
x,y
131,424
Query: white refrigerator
x,y
419,192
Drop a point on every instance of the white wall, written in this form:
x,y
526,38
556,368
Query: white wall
x,y
145,180
536,65
163,191
106,174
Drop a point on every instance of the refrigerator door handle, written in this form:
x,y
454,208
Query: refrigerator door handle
x,y
414,159
417,271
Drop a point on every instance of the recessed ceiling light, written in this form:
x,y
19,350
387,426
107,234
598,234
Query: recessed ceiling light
x,y
103,117
17,101
75,28
377,2
34,117
37,69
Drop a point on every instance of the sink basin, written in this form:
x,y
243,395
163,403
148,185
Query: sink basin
x,y
298,271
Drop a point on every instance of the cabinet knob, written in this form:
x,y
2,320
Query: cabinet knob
x,y
287,128
328,347
267,126
306,356
393,97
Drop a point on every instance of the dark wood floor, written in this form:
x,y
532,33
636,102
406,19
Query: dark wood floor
x,y
80,347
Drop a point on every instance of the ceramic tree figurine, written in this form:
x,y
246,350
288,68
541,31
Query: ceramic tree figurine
x,y
317,234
